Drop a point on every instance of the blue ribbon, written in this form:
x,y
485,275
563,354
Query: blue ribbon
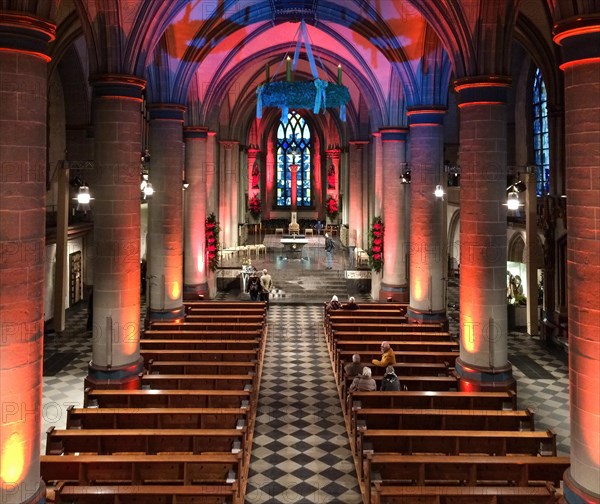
x,y
321,97
259,106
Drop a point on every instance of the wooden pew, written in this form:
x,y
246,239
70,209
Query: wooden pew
x,y
457,442
176,345
215,327
359,346
197,382
385,494
375,337
453,442
441,419
423,383
373,326
342,357
145,494
148,441
470,470
202,367
156,418
202,335
174,469
216,354
214,305
250,318
167,398
438,400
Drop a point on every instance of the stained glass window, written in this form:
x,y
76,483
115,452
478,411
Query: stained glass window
x,y
293,153
541,147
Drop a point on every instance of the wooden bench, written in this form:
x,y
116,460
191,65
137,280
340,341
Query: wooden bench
x,y
384,494
257,317
156,418
185,344
255,308
358,346
470,470
398,307
167,398
435,400
342,357
216,354
181,469
375,338
424,383
457,442
201,367
213,305
197,382
148,441
145,494
203,335
213,327
441,419
373,326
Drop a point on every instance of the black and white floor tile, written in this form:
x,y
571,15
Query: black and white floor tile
x,y
301,452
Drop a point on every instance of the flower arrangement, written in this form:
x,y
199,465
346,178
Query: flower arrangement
x,y
211,233
331,207
375,251
254,205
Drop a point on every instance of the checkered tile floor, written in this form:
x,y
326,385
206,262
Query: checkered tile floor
x,y
301,452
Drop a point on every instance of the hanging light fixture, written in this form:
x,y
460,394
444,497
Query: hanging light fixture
x,y
439,191
512,198
148,191
185,184
83,198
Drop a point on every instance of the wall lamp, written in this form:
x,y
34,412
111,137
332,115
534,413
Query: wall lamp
x,y
83,198
439,191
404,173
185,184
512,199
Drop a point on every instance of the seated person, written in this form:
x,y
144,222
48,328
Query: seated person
x,y
363,382
387,356
334,304
351,304
390,379
354,368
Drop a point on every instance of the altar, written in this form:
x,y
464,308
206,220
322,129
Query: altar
x,y
292,246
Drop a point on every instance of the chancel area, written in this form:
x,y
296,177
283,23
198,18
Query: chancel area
x,y
437,161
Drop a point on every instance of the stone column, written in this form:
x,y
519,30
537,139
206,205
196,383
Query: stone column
x,y
165,212
427,248
377,179
228,196
270,178
212,178
579,39
23,73
394,282
483,362
356,210
117,145
194,282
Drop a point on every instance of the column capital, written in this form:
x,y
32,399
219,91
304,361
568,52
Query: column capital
x,y
166,111
579,40
482,90
253,152
431,115
334,153
229,144
393,134
359,144
195,132
20,32
110,86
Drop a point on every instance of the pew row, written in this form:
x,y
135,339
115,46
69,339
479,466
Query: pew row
x,y
156,418
143,441
201,367
197,382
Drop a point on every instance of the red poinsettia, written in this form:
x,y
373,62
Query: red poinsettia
x,y
376,245
211,234
254,206
331,207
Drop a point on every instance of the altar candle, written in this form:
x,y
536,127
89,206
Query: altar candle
x,y
288,69
340,74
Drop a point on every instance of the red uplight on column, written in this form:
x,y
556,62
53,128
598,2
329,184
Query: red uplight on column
x,y
294,170
13,459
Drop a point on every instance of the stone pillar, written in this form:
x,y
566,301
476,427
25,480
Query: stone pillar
x,y
116,360
270,178
165,212
23,73
194,282
579,39
212,178
483,362
228,196
377,179
394,282
533,258
427,248
356,208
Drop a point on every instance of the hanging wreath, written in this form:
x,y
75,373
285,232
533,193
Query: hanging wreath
x,y
331,207
211,232
375,251
254,206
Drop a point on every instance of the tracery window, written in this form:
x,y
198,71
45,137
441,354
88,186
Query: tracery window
x,y
541,142
293,153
